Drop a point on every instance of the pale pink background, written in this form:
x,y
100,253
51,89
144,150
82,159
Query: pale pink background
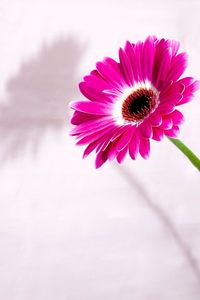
x,y
67,231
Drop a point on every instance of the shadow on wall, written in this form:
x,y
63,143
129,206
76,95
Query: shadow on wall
x,y
160,213
38,97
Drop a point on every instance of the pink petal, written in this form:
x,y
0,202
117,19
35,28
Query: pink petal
x,y
166,88
175,88
166,108
137,59
90,107
122,154
96,81
79,117
110,70
90,148
174,98
92,94
174,132
92,126
146,129
130,51
156,119
101,159
108,140
94,136
113,150
148,58
161,46
166,123
119,132
157,134
193,87
134,145
98,84
144,148
163,67
175,46
178,66
126,67
177,117
186,81
125,138
185,99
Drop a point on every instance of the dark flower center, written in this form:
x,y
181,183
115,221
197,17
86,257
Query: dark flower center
x,y
139,105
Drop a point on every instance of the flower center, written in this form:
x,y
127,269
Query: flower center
x,y
139,104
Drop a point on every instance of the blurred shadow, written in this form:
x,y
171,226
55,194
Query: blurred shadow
x,y
165,219
38,97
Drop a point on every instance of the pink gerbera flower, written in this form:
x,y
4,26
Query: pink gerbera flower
x,y
132,101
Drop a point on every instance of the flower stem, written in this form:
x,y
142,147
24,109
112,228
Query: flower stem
x,y
190,155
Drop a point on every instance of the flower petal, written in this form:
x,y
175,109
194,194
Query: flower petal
x,y
110,71
125,138
134,145
173,98
122,154
174,132
129,50
137,59
146,129
94,136
175,46
166,123
101,159
94,108
107,140
92,126
163,67
177,117
178,66
79,117
166,108
113,150
185,99
161,45
158,134
144,148
126,67
156,119
90,148
148,58
94,95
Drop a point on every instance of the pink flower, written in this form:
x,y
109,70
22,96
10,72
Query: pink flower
x,y
130,102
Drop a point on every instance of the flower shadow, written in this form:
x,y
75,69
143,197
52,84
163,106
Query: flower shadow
x,y
38,97
164,218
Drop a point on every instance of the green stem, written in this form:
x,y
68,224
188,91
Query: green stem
x,y
190,155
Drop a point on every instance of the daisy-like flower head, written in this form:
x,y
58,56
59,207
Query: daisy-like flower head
x,y
132,101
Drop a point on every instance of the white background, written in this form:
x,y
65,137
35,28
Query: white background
x,y
68,231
